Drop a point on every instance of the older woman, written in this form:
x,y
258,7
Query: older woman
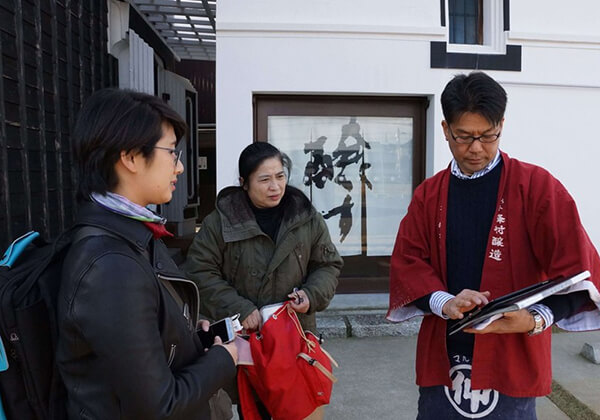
x,y
128,346
263,241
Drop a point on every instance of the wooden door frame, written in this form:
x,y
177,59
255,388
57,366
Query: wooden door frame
x,y
356,268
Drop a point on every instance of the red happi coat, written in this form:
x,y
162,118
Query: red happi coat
x,y
536,234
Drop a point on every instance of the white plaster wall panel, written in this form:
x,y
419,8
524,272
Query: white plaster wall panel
x,y
579,18
378,66
553,127
546,93
337,12
556,65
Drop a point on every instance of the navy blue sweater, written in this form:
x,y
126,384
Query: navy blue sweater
x,y
471,208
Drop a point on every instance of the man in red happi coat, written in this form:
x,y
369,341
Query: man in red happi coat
x,y
484,227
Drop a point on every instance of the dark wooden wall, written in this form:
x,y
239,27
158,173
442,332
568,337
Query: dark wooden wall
x,y
202,76
53,56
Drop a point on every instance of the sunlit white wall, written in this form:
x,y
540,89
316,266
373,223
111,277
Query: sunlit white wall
x,y
382,47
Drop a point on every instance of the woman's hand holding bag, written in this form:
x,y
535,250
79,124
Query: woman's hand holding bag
x,y
300,302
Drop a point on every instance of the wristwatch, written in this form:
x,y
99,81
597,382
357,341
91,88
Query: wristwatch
x,y
539,322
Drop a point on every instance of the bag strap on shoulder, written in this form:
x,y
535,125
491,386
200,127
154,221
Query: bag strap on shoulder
x,y
87,231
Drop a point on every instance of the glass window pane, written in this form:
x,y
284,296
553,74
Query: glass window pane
x,y
457,32
463,21
459,7
471,30
344,163
470,7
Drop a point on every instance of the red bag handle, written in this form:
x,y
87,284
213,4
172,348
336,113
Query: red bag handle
x,y
310,344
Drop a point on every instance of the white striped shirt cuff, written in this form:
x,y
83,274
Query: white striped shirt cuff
x,y
437,301
545,313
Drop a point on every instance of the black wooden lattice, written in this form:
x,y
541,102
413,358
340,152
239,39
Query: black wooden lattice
x,y
53,56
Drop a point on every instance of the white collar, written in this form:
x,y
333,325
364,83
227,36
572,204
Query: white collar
x,y
458,173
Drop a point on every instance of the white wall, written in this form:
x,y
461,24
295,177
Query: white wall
x,y
382,48
270,46
578,19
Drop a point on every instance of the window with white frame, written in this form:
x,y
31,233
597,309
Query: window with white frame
x,y
476,26
476,37
465,21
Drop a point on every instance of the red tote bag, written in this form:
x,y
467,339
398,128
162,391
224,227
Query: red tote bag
x,y
291,374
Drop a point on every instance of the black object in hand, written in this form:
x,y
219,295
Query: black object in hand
x,y
222,328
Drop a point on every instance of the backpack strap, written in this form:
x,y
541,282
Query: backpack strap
x,y
318,365
16,248
87,231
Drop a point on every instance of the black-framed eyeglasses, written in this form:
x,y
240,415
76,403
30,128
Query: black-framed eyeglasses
x,y
484,138
176,153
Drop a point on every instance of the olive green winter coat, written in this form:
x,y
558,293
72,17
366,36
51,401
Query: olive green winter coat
x,y
238,268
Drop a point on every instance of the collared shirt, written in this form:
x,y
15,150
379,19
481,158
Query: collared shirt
x,y
523,367
438,299
458,173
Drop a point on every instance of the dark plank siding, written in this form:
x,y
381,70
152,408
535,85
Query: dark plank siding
x,y
202,76
53,55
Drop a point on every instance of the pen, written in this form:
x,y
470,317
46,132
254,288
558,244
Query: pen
x,y
298,299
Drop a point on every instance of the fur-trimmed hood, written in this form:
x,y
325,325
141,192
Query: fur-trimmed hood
x,y
238,221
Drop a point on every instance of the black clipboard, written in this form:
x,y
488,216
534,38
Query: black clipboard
x,y
516,300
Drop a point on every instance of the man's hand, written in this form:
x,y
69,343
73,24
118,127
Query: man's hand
x,y
253,321
511,322
300,303
464,302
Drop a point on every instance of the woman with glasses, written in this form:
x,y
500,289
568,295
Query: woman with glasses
x,y
265,243
127,316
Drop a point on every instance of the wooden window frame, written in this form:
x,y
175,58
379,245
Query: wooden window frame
x,y
359,268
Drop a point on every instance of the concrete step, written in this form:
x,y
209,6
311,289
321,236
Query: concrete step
x,y
364,324
350,315
359,302
576,378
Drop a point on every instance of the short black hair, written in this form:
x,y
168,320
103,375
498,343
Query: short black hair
x,y
254,154
250,159
477,93
110,121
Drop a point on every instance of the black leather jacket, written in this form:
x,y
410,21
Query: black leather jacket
x,y
127,349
